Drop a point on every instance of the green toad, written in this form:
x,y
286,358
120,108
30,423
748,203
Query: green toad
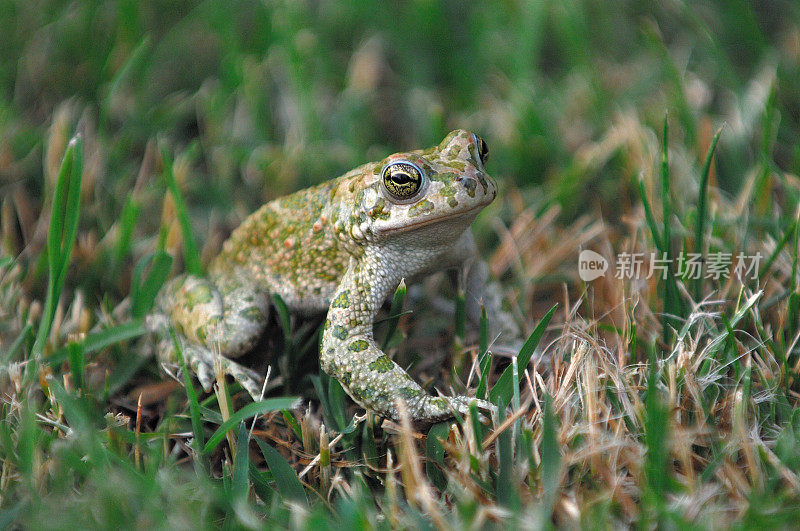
x,y
342,247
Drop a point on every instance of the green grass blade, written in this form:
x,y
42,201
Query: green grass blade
x,y
434,451
96,341
395,312
194,404
699,246
136,60
61,235
283,315
460,329
795,252
506,493
665,198
670,288
250,410
648,213
261,484
286,481
320,382
77,364
127,224
190,251
144,292
240,484
551,460
794,297
477,427
484,356
80,414
656,471
515,385
28,433
787,235
292,423
504,385
368,444
284,318
22,338
338,405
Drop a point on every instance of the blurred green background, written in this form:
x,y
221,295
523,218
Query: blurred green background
x,y
272,96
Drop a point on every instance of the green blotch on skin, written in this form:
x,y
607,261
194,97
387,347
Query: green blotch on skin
x,y
379,211
346,377
200,294
460,166
326,275
359,345
449,138
201,332
473,151
252,314
342,300
447,190
339,332
452,202
363,393
408,392
354,323
422,207
441,403
443,177
382,364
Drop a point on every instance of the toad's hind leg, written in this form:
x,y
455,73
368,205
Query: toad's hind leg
x,y
212,322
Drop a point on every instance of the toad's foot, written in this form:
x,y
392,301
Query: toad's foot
x,y
430,409
201,361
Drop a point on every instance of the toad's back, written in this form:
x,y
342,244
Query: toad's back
x,y
286,247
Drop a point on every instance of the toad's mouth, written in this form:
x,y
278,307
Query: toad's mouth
x,y
433,220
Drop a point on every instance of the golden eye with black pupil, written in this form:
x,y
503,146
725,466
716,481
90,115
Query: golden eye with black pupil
x,y
483,149
402,180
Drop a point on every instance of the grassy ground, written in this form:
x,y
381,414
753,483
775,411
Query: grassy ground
x,y
659,401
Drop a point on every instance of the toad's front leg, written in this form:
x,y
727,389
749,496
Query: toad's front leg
x,y
350,354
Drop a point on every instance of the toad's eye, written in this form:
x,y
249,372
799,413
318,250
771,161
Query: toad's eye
x,y
402,180
483,149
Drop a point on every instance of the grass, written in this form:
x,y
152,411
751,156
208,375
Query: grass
x,y
135,136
